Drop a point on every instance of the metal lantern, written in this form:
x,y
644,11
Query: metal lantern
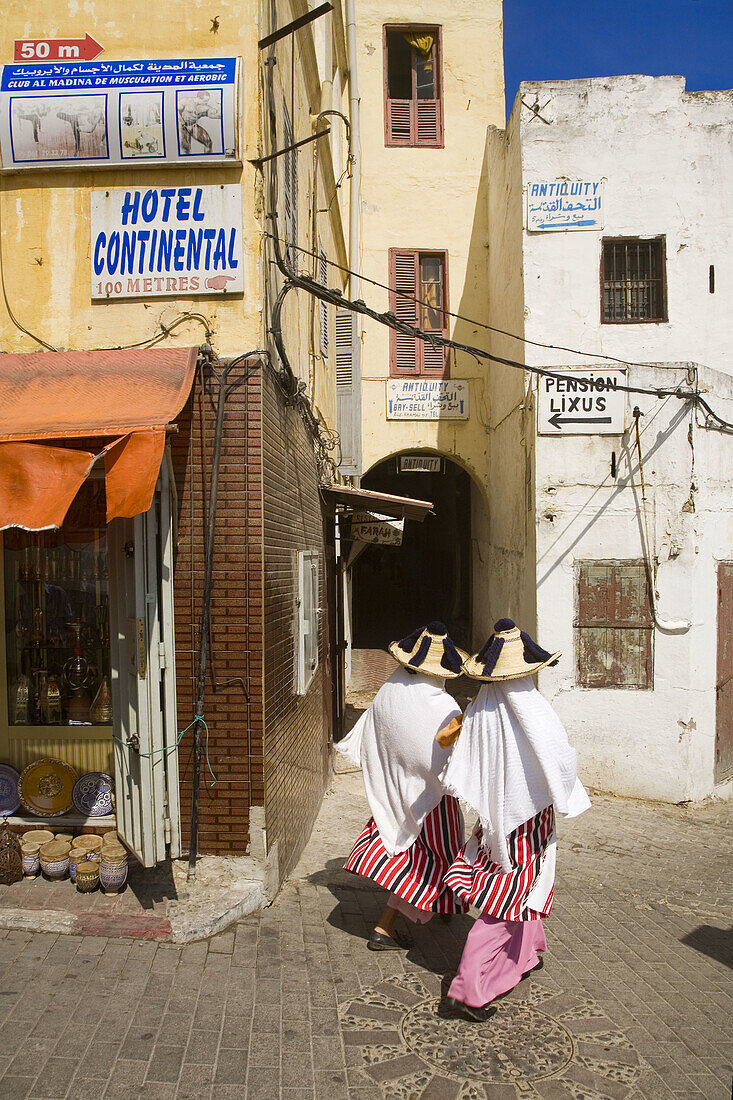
x,y
11,860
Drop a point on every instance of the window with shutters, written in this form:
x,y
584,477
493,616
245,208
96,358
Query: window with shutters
x,y
614,626
290,191
634,284
323,306
413,93
344,325
418,296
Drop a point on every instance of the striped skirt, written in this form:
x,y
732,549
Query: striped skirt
x,y
416,875
478,881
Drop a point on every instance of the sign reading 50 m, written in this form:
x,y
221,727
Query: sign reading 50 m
x,y
166,241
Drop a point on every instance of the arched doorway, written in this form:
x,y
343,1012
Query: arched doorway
x,y
396,588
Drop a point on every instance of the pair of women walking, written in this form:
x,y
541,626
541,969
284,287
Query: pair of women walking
x,y
509,760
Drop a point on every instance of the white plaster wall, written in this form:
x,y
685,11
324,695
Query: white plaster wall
x,y
653,744
667,156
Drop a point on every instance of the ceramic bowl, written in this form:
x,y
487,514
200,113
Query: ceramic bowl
x,y
66,837
87,876
43,836
54,867
75,858
91,841
112,876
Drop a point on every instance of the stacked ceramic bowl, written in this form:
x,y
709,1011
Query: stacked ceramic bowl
x,y
32,842
54,859
76,856
87,876
113,867
90,843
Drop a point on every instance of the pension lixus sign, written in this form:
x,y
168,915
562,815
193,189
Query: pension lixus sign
x,y
582,402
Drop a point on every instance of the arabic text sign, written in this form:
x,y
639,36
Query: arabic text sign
x,y
582,402
370,527
565,204
427,399
131,113
154,242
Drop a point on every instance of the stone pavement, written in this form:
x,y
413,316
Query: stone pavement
x,y
634,1001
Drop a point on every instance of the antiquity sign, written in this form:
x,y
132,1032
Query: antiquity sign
x,y
582,402
564,204
426,399
97,114
166,241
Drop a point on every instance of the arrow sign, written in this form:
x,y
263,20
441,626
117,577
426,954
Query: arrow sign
x,y
558,420
57,49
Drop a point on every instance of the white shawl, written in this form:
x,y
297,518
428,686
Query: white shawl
x,y
394,743
513,759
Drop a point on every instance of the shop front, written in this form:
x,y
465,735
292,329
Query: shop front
x,y
86,600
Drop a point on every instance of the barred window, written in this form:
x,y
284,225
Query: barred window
x,y
634,284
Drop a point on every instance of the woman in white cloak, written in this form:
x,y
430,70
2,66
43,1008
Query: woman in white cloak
x,y
415,831
513,765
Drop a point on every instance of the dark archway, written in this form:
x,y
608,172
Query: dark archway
x,y
397,588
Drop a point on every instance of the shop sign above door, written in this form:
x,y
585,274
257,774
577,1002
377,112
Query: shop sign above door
x,y
166,241
370,527
426,399
564,204
98,114
586,402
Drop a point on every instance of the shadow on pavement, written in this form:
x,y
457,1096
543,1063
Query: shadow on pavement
x,y
716,943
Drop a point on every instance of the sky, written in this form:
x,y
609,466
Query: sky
x,y
567,39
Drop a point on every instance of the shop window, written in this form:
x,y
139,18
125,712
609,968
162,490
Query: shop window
x,y
290,191
413,92
419,297
308,612
614,626
634,284
56,592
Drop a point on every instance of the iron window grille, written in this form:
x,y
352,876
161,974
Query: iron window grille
x,y
633,280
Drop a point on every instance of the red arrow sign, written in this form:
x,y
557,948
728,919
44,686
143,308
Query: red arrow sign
x,y
57,49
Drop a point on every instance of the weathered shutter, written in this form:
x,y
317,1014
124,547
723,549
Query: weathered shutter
x,y
399,116
348,390
403,279
323,280
428,125
614,626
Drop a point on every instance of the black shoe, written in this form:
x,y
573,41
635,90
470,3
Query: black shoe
x,y
537,966
453,1009
379,942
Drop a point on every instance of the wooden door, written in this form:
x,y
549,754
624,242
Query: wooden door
x,y
724,679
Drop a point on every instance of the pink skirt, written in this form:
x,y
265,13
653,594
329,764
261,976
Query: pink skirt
x,y
416,875
499,893
498,953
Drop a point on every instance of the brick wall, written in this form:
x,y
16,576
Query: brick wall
x,y
233,711
296,727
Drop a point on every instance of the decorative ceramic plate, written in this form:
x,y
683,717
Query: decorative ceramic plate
x,y
9,801
46,787
93,794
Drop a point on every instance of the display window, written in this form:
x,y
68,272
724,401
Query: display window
x,y
56,592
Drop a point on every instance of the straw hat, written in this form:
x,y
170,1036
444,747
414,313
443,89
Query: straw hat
x,y
508,654
430,650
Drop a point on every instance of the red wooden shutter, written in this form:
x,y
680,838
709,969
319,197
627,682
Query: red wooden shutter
x,y
403,279
428,126
399,122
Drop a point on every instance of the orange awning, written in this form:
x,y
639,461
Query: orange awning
x,y
122,398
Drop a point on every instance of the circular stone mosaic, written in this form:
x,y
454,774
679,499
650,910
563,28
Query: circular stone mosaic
x,y
519,1042
541,1038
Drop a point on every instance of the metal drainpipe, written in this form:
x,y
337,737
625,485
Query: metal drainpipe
x,y
354,210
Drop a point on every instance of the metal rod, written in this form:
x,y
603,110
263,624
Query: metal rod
x,y
301,21
259,161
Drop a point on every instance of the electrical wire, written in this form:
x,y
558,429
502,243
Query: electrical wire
x,y
462,317
336,298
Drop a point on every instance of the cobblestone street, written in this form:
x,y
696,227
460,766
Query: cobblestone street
x,y
635,999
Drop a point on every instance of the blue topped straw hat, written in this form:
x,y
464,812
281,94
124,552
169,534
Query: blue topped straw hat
x,y
429,649
508,654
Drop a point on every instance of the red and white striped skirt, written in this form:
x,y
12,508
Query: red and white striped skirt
x,y
416,875
499,893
